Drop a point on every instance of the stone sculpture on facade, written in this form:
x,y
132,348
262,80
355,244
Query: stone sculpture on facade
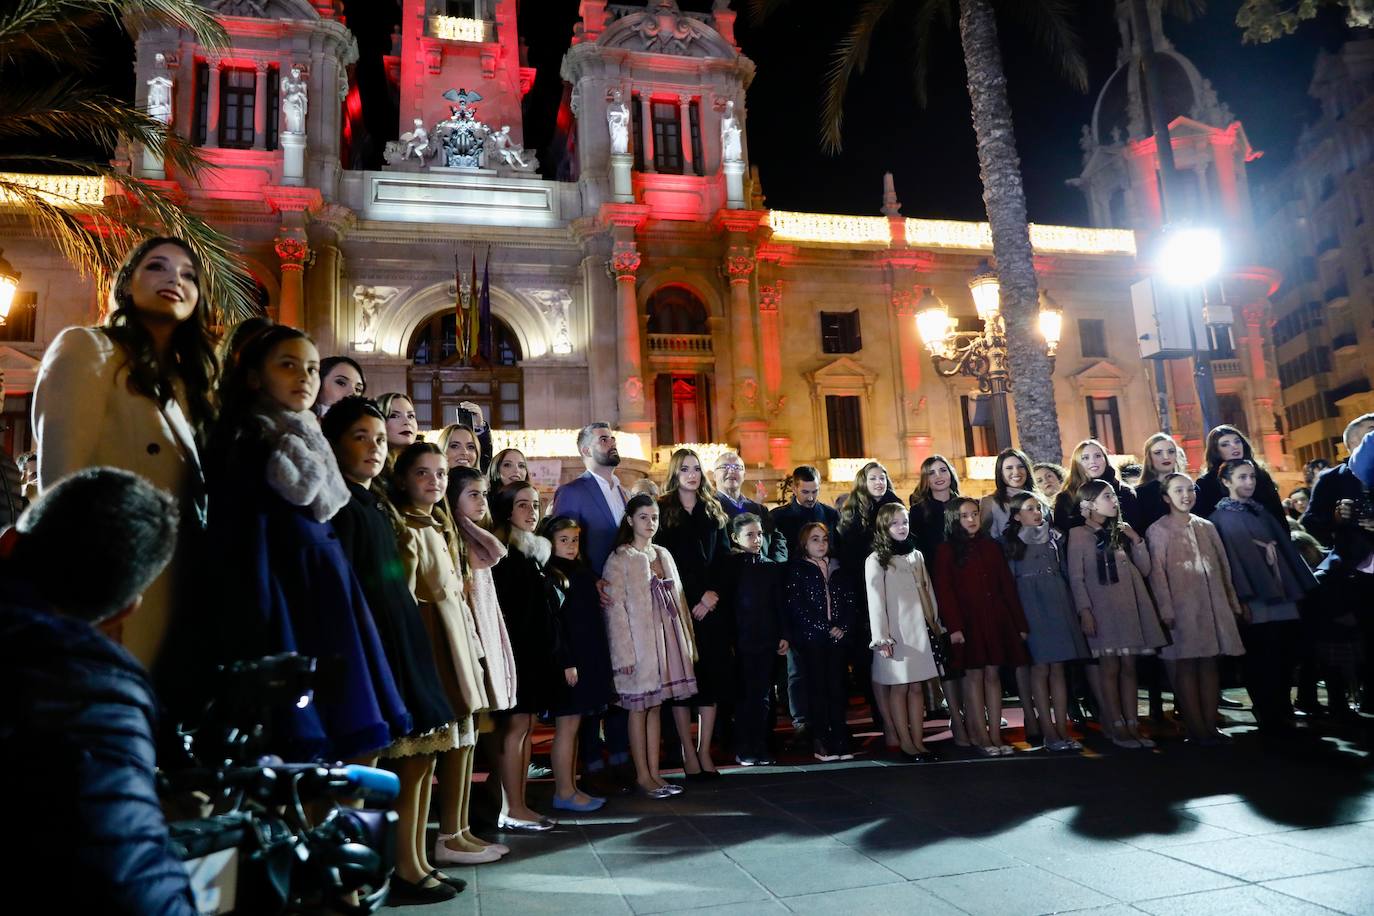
x,y
618,121
731,145
416,142
510,155
160,93
461,136
370,301
294,101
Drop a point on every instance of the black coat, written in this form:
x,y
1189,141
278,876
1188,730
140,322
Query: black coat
x,y
856,543
1067,517
1350,544
76,741
369,541
700,548
581,639
528,606
928,527
1211,491
790,518
754,591
774,542
804,590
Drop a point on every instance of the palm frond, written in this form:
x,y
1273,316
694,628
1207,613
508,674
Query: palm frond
x,y
1185,10
46,26
69,111
850,58
760,10
924,26
1048,23
95,238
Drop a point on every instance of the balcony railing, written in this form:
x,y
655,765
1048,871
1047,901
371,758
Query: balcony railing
x,y
1330,243
1336,294
1348,340
453,28
680,344
1227,368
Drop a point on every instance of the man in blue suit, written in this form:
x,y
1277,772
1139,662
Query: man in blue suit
x,y
596,500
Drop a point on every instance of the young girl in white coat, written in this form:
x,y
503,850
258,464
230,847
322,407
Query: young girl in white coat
x,y
650,635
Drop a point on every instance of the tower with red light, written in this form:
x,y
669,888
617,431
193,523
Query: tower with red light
x,y
1120,178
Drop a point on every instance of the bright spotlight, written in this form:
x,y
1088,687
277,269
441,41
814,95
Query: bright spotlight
x,y
1190,256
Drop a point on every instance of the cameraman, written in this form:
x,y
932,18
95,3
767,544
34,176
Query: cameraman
x,y
76,728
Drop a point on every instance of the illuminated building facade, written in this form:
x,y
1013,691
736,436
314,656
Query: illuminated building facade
x,y
649,285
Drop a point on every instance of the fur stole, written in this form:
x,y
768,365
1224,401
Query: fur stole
x,y
533,546
301,467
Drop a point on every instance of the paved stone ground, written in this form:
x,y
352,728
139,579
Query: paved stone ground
x,y
1177,830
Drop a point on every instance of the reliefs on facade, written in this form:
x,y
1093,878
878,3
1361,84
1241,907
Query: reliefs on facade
x,y
370,301
739,264
747,396
664,30
770,297
555,305
625,261
634,390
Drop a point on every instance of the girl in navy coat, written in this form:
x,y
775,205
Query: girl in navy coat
x,y
818,608
287,585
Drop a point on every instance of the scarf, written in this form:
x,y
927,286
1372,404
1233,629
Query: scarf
x,y
1239,505
1106,557
301,467
904,548
1039,535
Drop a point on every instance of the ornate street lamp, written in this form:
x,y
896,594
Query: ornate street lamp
x,y
981,355
9,283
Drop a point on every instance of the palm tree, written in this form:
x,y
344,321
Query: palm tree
x,y
1037,420
50,35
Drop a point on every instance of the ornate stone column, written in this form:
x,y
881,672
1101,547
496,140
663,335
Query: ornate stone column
x,y
293,253
775,402
625,261
750,426
646,132
260,105
212,73
684,109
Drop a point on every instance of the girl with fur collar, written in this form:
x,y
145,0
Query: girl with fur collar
x,y
275,485
429,553
523,593
650,634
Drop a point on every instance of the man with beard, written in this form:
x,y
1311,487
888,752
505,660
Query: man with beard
x,y
596,501
729,479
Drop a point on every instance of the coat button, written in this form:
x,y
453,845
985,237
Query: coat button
x,y
154,448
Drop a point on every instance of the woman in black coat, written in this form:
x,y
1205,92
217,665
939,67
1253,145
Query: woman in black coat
x,y
1089,462
692,529
1223,444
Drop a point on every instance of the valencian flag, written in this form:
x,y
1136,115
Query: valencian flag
x,y
486,332
459,313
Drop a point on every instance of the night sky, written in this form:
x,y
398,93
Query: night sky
x,y
930,151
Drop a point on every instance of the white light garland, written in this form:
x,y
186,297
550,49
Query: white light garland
x,y
454,28
836,229
58,190
709,452
791,226
843,470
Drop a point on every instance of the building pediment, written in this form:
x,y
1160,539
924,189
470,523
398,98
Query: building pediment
x,y
662,28
18,370
1101,376
842,373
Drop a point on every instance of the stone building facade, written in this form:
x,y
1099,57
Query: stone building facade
x,y
649,285
1318,220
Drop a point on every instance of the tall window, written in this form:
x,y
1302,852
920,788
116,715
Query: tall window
x,y
1092,338
202,108
1223,345
694,124
437,384
637,130
1104,423
845,423
273,105
977,417
667,137
840,332
1232,409
236,97
23,318
682,407
462,9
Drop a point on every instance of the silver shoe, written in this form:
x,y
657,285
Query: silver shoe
x,y
514,823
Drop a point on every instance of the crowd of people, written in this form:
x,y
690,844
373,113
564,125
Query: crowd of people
x,y
453,611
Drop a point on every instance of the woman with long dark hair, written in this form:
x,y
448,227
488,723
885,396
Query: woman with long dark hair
x,y
1012,476
340,377
1226,443
137,393
692,529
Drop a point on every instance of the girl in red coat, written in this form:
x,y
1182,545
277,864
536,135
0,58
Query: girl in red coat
x,y
982,611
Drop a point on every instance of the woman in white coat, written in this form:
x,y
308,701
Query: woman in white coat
x,y
136,394
903,618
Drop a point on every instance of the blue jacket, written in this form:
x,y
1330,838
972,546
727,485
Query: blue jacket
x,y
1362,460
77,761
581,499
1350,544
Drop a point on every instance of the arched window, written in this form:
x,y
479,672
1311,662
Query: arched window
x,y
676,310
438,381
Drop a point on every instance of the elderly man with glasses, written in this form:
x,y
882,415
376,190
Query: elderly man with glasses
x,y
729,478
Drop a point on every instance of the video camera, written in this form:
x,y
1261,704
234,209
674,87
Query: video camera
x,y
259,852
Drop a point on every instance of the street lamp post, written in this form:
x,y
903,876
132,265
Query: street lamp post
x,y
981,355
1190,257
